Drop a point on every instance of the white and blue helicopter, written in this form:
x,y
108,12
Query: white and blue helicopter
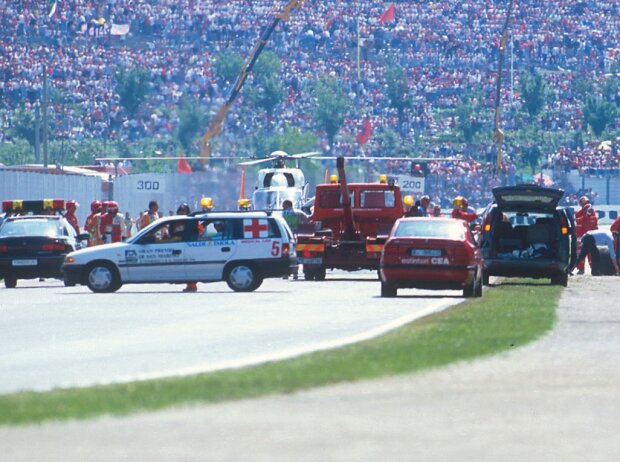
x,y
279,182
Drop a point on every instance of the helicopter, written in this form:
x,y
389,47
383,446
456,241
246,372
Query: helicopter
x,y
279,182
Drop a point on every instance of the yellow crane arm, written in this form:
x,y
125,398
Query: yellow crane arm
x,y
216,124
499,134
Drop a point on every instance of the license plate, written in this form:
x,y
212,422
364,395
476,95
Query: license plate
x,y
29,262
311,261
425,252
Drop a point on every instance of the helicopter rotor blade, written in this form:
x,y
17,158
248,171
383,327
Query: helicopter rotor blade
x,y
256,161
409,159
304,154
118,159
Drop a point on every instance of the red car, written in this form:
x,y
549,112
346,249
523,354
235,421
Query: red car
x,y
431,253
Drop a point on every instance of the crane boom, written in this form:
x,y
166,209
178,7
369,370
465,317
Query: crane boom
x,y
499,134
216,124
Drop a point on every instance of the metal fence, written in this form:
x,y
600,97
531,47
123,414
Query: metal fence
x,y
133,192
16,185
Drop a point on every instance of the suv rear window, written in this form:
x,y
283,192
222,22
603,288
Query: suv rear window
x,y
540,199
528,218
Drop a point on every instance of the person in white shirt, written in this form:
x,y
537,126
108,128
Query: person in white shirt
x,y
589,243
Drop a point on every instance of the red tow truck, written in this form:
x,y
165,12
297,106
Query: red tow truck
x,y
348,226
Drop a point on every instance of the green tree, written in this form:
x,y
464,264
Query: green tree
x,y
533,92
268,64
227,66
598,113
398,91
267,91
468,122
23,125
389,142
582,86
331,106
191,122
18,152
133,87
295,141
531,156
611,90
292,140
266,95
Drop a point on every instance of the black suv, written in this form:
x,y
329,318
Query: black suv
x,y
526,234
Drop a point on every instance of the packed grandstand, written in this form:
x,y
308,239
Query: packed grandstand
x,y
447,48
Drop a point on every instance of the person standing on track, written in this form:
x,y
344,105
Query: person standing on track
x,y
151,215
459,210
183,209
70,215
91,225
112,224
294,218
585,220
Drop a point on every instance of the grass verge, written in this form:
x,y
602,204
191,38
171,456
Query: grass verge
x,y
508,316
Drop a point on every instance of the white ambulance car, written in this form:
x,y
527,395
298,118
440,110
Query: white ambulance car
x,y
241,248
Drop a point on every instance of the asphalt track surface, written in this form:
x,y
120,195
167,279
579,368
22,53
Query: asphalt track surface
x,y
56,336
557,399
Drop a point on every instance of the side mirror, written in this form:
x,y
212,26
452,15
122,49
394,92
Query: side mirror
x,y
83,236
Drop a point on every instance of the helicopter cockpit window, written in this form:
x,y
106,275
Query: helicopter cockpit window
x,y
294,196
272,200
264,200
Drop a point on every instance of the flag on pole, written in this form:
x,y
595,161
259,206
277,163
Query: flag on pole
x,y
363,136
183,166
388,15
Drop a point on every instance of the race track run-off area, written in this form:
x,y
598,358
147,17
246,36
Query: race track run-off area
x,y
56,336
556,399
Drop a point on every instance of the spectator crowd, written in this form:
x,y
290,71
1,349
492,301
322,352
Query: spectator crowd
x,y
447,49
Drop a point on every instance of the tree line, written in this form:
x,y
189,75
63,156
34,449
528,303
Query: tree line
x,y
265,92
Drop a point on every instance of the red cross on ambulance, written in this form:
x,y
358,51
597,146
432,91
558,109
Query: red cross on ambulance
x,y
255,228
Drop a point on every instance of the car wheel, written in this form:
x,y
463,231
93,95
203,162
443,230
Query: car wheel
x,y
243,277
560,280
102,278
10,282
485,277
478,287
388,290
319,274
308,274
470,289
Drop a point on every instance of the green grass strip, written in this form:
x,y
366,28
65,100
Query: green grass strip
x,y
508,316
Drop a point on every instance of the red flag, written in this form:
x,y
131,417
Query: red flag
x,y
183,166
363,136
388,15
